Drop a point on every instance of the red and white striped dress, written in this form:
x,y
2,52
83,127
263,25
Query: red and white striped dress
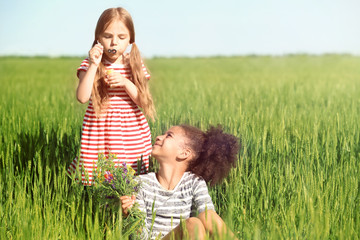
x,y
122,130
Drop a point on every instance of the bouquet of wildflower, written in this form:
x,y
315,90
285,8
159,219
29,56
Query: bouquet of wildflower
x,y
110,183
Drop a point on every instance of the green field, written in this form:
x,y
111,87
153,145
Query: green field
x,y
298,174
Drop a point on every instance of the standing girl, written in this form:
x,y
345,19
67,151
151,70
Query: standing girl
x,y
187,157
116,84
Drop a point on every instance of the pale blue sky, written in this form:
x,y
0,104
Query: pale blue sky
x,y
185,28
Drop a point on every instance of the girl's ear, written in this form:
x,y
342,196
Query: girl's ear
x,y
184,154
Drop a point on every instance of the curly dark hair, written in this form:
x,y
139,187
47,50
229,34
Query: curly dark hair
x,y
215,152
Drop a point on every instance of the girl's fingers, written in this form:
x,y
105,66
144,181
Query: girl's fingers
x,y
99,46
96,52
115,80
125,200
113,84
107,79
127,206
126,203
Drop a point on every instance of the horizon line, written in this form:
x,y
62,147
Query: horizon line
x,y
188,56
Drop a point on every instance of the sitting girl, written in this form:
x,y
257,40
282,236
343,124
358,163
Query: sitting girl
x,y
188,158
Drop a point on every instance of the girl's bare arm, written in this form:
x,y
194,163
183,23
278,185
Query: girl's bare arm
x,y
118,80
86,79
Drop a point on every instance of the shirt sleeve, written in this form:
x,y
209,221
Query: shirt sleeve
x,y
140,201
83,66
201,197
146,72
142,207
140,196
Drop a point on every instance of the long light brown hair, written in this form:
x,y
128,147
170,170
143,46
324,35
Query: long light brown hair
x,y
99,93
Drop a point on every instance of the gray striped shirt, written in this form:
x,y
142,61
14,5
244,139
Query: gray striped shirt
x,y
190,196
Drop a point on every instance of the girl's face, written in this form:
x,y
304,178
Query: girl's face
x,y
116,36
171,145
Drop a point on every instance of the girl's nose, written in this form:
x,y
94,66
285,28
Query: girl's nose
x,y
159,138
114,41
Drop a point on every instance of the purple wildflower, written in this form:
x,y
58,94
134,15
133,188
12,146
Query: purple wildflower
x,y
108,176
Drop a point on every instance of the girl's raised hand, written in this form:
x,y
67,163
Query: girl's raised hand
x,y
115,80
95,54
127,203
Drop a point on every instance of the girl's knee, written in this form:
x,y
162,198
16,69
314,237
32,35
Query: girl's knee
x,y
210,219
194,225
193,221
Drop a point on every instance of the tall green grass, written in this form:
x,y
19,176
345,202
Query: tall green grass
x,y
297,117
